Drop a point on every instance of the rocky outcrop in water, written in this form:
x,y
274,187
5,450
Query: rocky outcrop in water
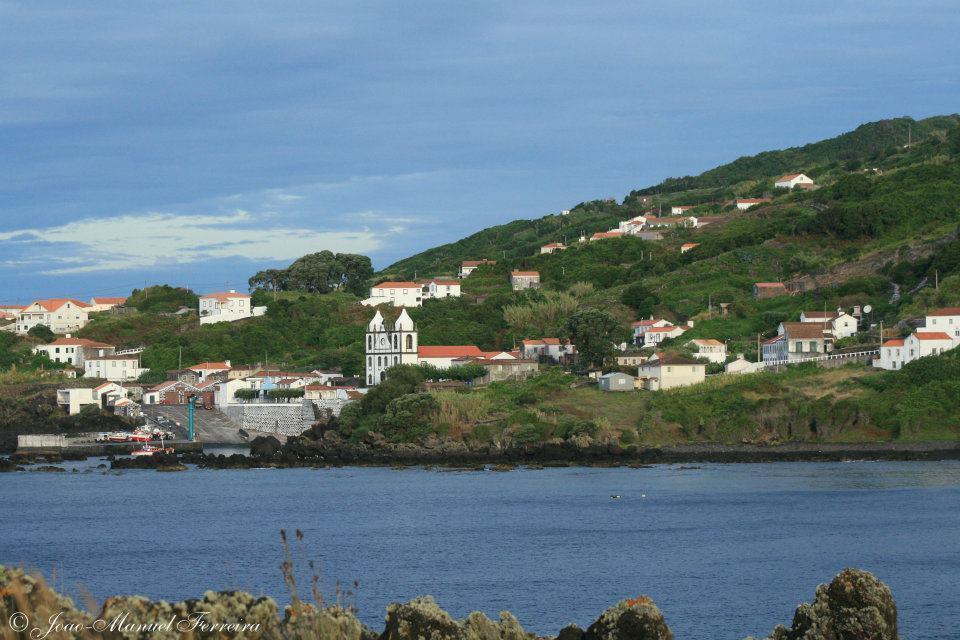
x,y
854,606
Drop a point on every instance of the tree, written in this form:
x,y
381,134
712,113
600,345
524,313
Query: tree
x,y
640,299
320,272
594,333
41,332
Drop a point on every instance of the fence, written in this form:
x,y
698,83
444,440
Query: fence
x,y
824,358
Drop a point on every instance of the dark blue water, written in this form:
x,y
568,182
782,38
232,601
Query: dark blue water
x,y
724,550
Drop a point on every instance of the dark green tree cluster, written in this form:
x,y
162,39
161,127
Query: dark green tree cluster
x,y
161,298
595,333
321,272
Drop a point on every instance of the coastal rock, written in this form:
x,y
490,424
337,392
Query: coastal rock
x,y
571,632
265,447
7,464
854,606
420,618
636,619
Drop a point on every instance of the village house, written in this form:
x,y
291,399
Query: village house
x,y
442,356
687,246
946,320
172,392
632,226
105,304
616,381
668,371
709,349
745,203
105,395
12,309
653,336
630,358
389,344
398,294
741,365
605,235
208,370
548,349
640,327
551,247
842,324
440,288
940,333
679,210
797,340
227,306
670,223
114,367
791,180
521,280
73,351
60,315
501,369
763,290
469,266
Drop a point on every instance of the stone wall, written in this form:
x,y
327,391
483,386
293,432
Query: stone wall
x,y
286,418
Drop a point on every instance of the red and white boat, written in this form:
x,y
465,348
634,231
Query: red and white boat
x,y
118,437
139,436
149,450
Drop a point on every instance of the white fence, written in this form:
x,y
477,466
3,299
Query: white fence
x,y
829,356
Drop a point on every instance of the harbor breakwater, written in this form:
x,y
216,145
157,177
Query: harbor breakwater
x,y
855,605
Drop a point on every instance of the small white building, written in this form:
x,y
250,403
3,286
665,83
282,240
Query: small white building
x,y
205,370
73,351
521,280
640,327
75,399
442,356
227,306
552,349
842,324
709,349
920,344
742,365
946,320
441,288
745,203
892,355
616,381
679,210
791,180
397,294
102,303
655,335
116,368
469,266
668,371
60,315
551,247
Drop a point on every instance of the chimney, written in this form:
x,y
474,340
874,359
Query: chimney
x,y
233,290
690,324
66,335
227,362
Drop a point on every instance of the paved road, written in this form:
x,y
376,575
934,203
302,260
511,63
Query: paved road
x,y
212,426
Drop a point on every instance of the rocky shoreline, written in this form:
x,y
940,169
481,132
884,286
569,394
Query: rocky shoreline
x,y
855,605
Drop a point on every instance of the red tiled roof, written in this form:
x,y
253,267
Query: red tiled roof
x,y
225,295
128,356
707,342
397,285
820,314
646,323
117,300
79,342
319,387
448,351
946,311
665,329
894,342
552,245
535,274
932,335
789,176
770,285
477,263
752,200
207,366
52,304
105,384
446,282
690,245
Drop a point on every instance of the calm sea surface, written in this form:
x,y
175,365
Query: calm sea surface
x,y
724,550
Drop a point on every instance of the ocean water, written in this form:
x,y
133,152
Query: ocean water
x,y
724,550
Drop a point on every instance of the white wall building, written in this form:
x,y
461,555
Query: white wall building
x,y
116,368
73,351
104,303
792,180
552,349
842,324
442,356
521,280
228,306
441,288
655,335
640,327
946,320
469,266
397,294
745,203
389,344
669,371
61,315
709,349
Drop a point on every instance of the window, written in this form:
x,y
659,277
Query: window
x,y
396,342
813,347
409,341
369,378
369,342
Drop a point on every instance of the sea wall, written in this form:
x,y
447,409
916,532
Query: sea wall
x,y
288,418
855,605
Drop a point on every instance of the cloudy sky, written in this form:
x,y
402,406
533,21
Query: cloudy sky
x,y
197,142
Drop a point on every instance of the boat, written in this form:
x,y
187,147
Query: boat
x,y
149,450
119,436
138,436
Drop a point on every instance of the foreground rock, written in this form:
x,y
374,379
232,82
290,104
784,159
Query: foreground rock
x,y
854,606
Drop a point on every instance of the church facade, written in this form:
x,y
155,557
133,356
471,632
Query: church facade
x,y
389,344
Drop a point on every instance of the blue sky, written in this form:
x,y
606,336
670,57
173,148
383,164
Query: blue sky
x,y
196,143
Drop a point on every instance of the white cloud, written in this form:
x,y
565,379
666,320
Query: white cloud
x,y
157,238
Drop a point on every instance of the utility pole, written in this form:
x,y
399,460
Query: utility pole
x,y
936,279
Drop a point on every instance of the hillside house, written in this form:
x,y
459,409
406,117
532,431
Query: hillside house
x,y
606,235
521,280
227,306
211,370
796,340
763,290
842,324
640,327
469,266
655,335
104,303
114,367
630,358
688,246
668,371
398,294
791,180
551,247
892,355
632,226
745,203
670,223
499,370
709,349
60,315
897,352
442,356
548,349
741,365
172,392
75,399
946,320
440,288
73,351
616,381
679,210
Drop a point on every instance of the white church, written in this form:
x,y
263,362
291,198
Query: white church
x,y
390,345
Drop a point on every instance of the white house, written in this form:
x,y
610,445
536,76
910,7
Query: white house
x,y
899,351
552,349
640,327
441,288
791,180
389,344
668,371
842,324
73,351
709,349
398,294
616,381
796,340
228,306
521,280
551,247
102,303
679,210
61,315
742,365
116,368
946,320
469,266
655,335
892,355
633,226
442,356
670,223
745,203
207,369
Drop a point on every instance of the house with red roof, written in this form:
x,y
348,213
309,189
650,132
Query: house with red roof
x,y
102,303
227,306
745,203
763,290
606,235
469,266
688,246
60,315
551,247
552,350
396,293
74,351
442,356
946,319
116,367
521,280
940,333
791,180
640,327
709,349
205,370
